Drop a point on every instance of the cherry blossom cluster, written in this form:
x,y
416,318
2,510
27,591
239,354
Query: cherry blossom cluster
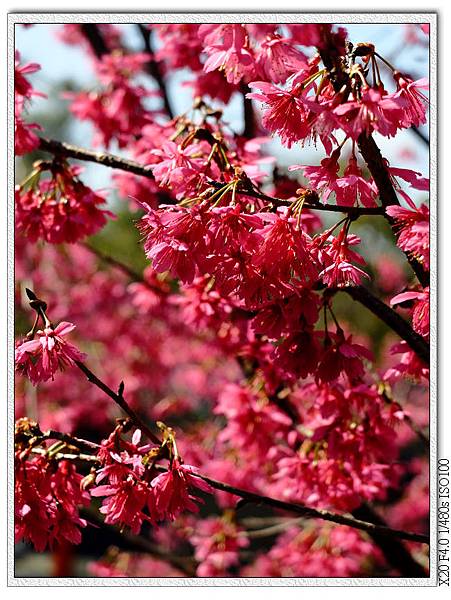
x,y
59,207
230,352
25,139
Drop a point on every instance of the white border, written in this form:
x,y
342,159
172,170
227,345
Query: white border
x,y
218,17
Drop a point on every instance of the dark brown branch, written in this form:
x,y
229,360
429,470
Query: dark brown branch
x,y
120,401
153,69
102,158
249,129
314,513
391,318
95,39
116,162
394,551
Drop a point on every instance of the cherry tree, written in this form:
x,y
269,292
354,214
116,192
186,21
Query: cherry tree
x,y
220,413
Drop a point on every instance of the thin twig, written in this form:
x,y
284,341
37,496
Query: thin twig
x,y
71,440
89,458
120,401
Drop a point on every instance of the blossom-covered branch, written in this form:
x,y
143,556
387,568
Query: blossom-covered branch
x,y
305,511
332,59
107,159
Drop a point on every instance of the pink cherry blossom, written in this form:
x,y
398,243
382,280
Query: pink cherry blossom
x,y
59,209
413,226
47,499
416,102
278,59
420,313
171,491
41,358
323,178
229,52
22,87
374,112
353,188
286,112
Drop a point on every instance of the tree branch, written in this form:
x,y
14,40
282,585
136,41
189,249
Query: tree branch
x,y
420,135
314,513
116,162
249,129
391,318
95,39
102,158
305,511
394,551
154,70
71,440
120,401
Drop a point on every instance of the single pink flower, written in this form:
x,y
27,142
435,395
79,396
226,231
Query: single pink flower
x,y
286,112
413,227
171,491
416,103
41,358
124,502
342,355
420,312
322,178
353,188
278,58
25,140
373,112
22,86
231,55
